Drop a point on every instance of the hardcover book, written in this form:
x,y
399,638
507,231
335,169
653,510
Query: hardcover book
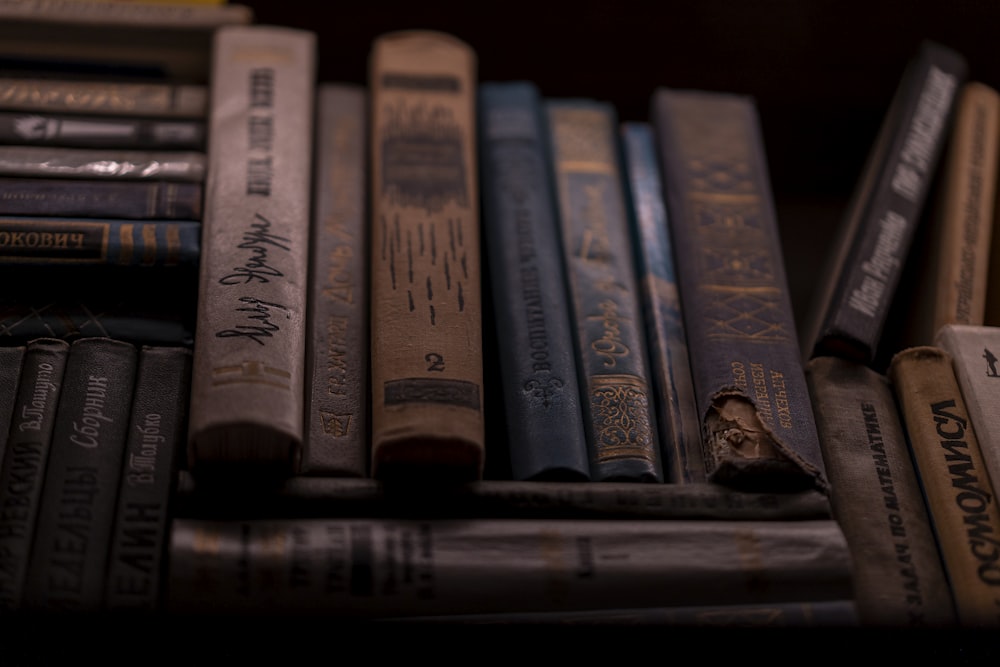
x,y
127,200
960,498
753,403
337,391
681,444
612,362
36,129
533,320
11,357
102,163
426,307
248,379
154,99
851,303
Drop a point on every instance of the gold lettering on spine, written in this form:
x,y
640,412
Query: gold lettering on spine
x,y
125,240
149,244
173,245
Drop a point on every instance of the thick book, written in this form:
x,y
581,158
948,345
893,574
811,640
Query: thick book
x,y
975,350
68,559
533,321
50,129
960,498
337,390
753,403
102,163
681,443
248,381
155,442
877,498
22,471
856,287
11,357
88,198
370,568
612,360
83,242
154,99
426,305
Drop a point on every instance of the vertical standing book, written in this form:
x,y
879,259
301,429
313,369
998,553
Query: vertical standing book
x,y
247,385
753,402
426,308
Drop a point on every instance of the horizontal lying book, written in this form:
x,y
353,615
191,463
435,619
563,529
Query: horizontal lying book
x,y
56,162
98,96
49,129
89,198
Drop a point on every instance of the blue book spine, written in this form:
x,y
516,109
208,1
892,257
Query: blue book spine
x,y
681,444
612,360
71,241
533,319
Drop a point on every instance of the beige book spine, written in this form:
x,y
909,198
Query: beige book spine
x,y
426,366
950,466
249,355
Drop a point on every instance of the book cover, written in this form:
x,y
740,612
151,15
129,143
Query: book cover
x,y
48,129
856,287
155,99
753,403
426,305
960,497
877,499
160,244
24,460
102,163
681,444
533,320
127,200
68,559
337,390
11,357
248,379
612,362
156,435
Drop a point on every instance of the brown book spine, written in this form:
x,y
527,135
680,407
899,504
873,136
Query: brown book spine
x,y
426,309
153,99
957,488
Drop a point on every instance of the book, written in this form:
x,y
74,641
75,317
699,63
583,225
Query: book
x,y
24,460
102,163
372,568
156,437
953,248
612,362
531,312
11,357
248,378
857,284
960,497
974,351
55,129
156,99
328,497
426,306
66,568
88,198
681,443
337,390
159,244
877,499
753,403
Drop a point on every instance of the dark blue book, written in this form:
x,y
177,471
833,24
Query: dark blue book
x,y
71,198
681,443
534,323
750,385
612,362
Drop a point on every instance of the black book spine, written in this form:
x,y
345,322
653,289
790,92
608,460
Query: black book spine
x,y
130,200
11,358
80,489
23,128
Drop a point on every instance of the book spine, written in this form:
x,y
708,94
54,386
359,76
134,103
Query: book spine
x,y
852,309
248,383
36,240
156,436
111,98
753,403
681,444
354,567
877,499
35,129
949,463
24,460
532,315
132,200
80,488
186,14
337,388
426,306
21,322
611,348
101,163
11,358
